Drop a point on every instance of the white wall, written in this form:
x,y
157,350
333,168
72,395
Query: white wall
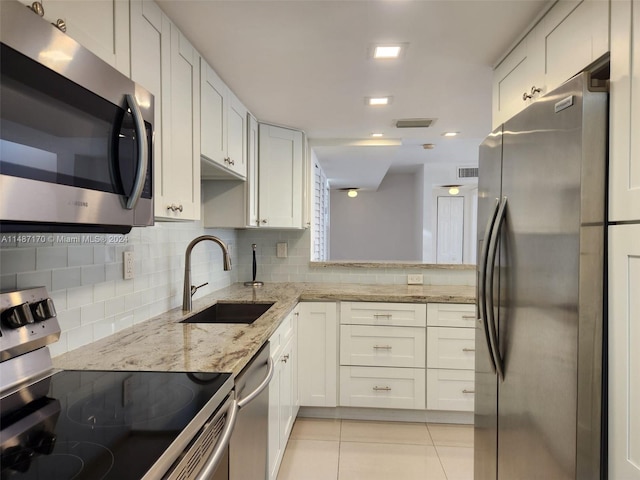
x,y
378,225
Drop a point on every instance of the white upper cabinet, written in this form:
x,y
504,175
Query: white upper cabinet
x,y
102,26
165,63
624,154
223,128
281,177
252,172
572,35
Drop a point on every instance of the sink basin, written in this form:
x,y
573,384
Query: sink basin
x,y
245,313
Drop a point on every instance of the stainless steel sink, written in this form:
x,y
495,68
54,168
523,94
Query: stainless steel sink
x,y
245,313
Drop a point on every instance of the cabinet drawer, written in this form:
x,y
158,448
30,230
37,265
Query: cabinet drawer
x,y
282,334
382,387
450,390
374,313
367,345
451,315
451,348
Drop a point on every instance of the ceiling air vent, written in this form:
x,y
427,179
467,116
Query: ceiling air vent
x,y
415,123
467,172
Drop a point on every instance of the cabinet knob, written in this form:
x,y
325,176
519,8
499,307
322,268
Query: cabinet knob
x,y
37,8
526,96
173,207
264,221
60,25
468,391
285,358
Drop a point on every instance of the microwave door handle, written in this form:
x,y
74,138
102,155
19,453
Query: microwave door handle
x,y
143,152
493,248
482,296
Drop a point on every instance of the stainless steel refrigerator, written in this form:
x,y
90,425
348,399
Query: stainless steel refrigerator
x,y
539,354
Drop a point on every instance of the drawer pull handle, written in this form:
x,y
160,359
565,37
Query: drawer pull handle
x,y
382,347
468,391
468,349
468,317
285,358
381,315
381,389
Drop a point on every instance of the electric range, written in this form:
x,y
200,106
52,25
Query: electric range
x,y
86,424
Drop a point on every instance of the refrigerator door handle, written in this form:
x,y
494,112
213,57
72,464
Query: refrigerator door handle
x,y
482,297
491,258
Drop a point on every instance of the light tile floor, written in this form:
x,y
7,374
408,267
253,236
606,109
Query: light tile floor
x,y
358,450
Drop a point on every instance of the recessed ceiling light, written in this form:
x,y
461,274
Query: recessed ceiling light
x,y
387,51
377,134
374,101
450,134
428,146
352,193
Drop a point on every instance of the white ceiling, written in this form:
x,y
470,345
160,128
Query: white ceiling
x,y
306,64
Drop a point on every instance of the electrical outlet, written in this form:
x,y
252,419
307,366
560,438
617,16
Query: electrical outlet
x,y
415,279
281,250
128,265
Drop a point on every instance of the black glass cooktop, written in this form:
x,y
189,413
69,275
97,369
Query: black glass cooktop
x,y
99,424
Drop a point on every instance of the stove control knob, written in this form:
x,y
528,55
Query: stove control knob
x,y
44,443
17,459
18,316
43,309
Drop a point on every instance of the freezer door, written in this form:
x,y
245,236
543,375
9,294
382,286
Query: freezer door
x,y
551,272
486,384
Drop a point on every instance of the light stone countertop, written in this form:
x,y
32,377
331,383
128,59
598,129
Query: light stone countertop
x,y
162,343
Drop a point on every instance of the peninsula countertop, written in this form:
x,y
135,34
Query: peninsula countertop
x,y
162,343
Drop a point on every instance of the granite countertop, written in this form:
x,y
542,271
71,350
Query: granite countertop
x,y
162,343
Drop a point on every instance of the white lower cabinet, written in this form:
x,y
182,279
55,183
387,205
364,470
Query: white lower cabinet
x,y
318,357
283,396
382,387
382,355
450,357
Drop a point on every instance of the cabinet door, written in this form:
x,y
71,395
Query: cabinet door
x,y
181,132
214,115
287,361
150,52
368,345
274,449
516,76
102,26
318,354
624,156
280,177
450,390
237,136
624,354
576,33
252,171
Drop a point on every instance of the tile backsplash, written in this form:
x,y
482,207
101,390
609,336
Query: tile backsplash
x,y
84,273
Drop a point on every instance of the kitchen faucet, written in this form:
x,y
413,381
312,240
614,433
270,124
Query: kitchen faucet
x,y
189,289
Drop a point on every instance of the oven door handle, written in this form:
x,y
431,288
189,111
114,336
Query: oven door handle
x,y
209,469
246,400
143,152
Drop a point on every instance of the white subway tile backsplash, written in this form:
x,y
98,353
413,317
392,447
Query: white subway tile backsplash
x,y
66,278
51,257
9,282
69,319
114,306
77,297
92,313
34,279
104,290
80,255
92,274
103,328
79,337
17,260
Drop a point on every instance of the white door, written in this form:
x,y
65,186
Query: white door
x,y
450,230
624,352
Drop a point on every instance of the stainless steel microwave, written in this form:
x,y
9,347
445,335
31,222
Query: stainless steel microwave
x,y
75,134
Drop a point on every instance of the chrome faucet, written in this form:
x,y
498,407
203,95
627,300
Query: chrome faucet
x,y
189,289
